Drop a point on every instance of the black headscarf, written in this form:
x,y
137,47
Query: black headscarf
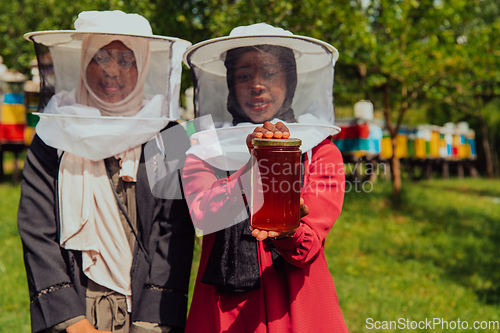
x,y
233,264
286,59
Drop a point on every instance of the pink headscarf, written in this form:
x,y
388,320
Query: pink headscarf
x,y
131,104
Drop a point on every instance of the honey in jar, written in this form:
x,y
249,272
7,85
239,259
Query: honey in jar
x,y
276,186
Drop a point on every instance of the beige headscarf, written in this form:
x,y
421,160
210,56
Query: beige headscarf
x,y
90,220
131,104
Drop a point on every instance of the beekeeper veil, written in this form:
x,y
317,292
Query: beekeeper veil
x,y
259,73
110,74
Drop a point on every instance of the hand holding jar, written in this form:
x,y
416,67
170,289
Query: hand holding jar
x,y
259,230
268,131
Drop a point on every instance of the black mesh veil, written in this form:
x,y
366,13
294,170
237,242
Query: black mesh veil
x,y
260,73
308,66
47,78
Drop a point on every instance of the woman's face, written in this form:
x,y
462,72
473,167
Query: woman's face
x,y
112,72
260,85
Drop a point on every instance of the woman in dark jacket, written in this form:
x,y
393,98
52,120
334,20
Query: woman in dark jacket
x,y
101,252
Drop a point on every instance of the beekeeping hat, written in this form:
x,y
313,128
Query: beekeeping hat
x,y
59,54
308,108
62,56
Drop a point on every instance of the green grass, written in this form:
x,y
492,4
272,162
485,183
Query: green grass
x,y
433,254
14,298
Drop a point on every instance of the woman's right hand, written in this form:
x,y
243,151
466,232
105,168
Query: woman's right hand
x,y
268,131
83,326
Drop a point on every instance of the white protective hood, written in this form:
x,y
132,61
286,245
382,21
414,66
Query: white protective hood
x,y
310,115
60,57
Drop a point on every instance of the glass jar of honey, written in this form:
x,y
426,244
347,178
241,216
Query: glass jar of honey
x,y
276,184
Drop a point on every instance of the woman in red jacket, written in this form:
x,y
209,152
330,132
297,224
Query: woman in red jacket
x,y
253,280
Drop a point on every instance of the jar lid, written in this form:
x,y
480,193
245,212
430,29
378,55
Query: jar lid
x,y
291,142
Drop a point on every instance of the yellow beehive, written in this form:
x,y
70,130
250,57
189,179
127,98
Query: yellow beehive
x,y
401,146
13,114
386,148
464,151
435,144
420,148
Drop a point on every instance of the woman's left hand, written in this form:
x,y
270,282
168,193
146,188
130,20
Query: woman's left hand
x,y
268,131
263,234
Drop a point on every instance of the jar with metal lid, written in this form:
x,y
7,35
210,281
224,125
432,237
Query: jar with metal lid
x,y
276,184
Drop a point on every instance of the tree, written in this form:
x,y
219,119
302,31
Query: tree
x,y
474,91
22,16
183,19
401,54
411,49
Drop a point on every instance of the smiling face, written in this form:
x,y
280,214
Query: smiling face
x,y
112,72
260,85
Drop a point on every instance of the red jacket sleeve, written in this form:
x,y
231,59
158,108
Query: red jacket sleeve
x,y
215,199
323,193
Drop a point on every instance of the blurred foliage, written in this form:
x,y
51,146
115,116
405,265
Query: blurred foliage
x,y
21,16
430,57
411,46
415,44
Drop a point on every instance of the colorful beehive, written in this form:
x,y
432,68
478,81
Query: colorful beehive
x,y
402,145
448,131
434,142
361,135
427,142
418,144
453,142
455,148
411,145
426,135
420,148
375,139
12,110
386,147
463,147
457,142
353,137
443,149
471,141
401,148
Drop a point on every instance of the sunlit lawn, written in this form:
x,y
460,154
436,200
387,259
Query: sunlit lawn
x,y
434,254
14,299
